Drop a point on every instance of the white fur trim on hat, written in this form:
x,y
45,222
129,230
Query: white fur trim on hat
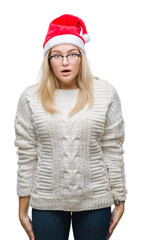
x,y
86,37
62,39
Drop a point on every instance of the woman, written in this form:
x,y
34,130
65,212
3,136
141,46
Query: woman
x,y
69,133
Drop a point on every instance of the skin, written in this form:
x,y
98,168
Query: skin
x,y
115,217
65,82
24,218
69,81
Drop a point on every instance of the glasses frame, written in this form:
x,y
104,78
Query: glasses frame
x,y
77,54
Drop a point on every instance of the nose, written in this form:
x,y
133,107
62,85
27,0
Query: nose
x,y
65,61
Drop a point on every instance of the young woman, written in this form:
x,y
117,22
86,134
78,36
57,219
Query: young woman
x,y
69,134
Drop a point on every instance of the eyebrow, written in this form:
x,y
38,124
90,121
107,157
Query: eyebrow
x,y
67,51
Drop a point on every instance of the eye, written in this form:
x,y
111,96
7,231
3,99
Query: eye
x,y
57,56
72,54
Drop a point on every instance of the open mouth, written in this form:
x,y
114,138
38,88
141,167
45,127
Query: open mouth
x,y
66,71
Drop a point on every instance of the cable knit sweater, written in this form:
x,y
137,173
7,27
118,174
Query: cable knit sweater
x,y
71,163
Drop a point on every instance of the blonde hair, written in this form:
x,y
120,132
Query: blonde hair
x,y
48,85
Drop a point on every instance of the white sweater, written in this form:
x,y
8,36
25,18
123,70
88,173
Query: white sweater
x,y
71,163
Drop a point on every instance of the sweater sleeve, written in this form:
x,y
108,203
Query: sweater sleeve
x,y
112,147
26,144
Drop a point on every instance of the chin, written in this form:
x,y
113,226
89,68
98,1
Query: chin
x,y
66,79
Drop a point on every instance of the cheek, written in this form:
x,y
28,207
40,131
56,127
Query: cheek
x,y
55,68
76,68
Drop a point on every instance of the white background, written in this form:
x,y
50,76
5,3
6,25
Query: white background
x,y
114,53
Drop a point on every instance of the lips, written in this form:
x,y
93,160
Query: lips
x,y
65,72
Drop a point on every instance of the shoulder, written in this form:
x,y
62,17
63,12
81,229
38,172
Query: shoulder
x,y
29,91
106,90
105,86
25,97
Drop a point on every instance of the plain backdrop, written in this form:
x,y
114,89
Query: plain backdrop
x,y
114,53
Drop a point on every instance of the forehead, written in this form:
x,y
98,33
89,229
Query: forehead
x,y
64,47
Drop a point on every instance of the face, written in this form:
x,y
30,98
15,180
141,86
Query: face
x,y
65,69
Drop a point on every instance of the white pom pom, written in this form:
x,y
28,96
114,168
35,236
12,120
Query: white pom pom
x,y
86,37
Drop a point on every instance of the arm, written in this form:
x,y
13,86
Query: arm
x,y
24,218
115,217
23,207
26,143
112,147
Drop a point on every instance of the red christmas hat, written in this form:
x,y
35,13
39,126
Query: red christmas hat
x,y
66,29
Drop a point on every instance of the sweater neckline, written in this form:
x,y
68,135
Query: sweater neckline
x,y
68,90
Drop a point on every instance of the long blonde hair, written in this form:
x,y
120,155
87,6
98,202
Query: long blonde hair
x,y
49,84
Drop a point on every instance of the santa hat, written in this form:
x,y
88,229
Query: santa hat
x,y
66,29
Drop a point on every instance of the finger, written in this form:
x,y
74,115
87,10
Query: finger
x,y
30,235
111,221
31,232
112,227
29,229
110,233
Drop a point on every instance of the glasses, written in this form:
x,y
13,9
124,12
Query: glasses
x,y
58,59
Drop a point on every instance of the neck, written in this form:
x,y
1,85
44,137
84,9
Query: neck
x,y
69,86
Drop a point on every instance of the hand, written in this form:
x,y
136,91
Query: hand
x,y
115,217
27,225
